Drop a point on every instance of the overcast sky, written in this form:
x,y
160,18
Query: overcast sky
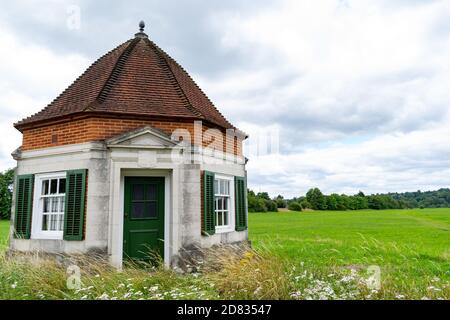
x,y
357,91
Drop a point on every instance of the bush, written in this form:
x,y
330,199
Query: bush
x,y
6,182
295,206
261,202
305,204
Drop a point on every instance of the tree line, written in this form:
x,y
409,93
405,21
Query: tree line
x,y
6,185
316,200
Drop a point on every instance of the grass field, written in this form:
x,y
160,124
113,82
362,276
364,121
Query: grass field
x,y
300,255
411,247
4,227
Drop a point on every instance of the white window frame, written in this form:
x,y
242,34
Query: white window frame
x,y
231,218
38,206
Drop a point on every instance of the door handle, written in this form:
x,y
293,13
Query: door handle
x,y
126,214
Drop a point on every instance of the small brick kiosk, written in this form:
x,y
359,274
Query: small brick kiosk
x,y
132,157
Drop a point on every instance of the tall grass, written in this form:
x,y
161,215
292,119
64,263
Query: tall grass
x,y
225,274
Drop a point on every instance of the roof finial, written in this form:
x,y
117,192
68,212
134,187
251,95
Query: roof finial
x,y
141,33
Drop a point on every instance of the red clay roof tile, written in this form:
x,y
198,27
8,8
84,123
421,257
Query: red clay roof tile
x,y
135,78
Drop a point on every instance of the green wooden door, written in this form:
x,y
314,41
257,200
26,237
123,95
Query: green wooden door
x,y
143,232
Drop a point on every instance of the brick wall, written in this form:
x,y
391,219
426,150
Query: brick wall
x,y
94,129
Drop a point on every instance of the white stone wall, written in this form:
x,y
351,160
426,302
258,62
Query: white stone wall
x,y
86,156
108,164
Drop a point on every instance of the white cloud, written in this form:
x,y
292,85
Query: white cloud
x,y
391,162
358,90
31,76
328,72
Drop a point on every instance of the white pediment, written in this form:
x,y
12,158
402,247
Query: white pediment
x,y
146,137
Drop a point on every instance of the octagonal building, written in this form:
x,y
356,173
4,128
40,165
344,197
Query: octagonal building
x,y
132,157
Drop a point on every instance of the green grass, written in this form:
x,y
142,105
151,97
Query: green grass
x,y
4,228
411,247
300,255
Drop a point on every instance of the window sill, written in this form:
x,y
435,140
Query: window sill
x,y
44,236
220,230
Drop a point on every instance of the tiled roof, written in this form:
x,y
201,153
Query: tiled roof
x,y
136,78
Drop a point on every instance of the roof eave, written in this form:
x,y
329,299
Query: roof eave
x,y
23,125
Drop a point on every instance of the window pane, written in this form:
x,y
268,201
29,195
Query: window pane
x,y
62,186
55,204
216,186
151,192
62,201
225,217
44,222
45,187
219,219
53,186
220,203
151,210
137,210
53,222
46,207
225,203
138,192
226,185
143,210
61,222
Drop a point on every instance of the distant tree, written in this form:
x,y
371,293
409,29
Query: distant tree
x,y
361,202
260,202
316,199
263,195
295,206
361,194
270,205
332,201
280,201
305,204
6,184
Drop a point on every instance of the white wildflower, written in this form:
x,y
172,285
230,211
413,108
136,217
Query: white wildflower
x,y
104,296
296,295
433,288
154,288
257,291
127,295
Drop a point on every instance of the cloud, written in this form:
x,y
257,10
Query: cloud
x,y
357,91
32,76
391,162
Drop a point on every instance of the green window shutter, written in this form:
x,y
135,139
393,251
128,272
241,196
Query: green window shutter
x,y
24,196
75,202
241,203
209,217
